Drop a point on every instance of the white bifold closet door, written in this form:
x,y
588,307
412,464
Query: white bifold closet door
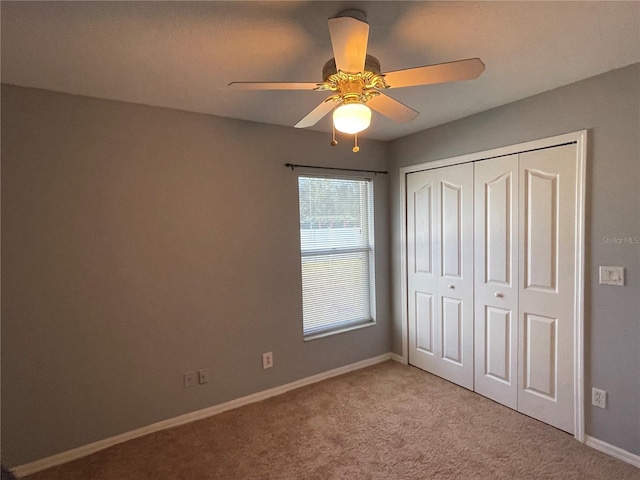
x,y
547,264
496,279
440,272
525,221
491,257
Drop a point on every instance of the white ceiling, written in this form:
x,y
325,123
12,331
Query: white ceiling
x,y
182,55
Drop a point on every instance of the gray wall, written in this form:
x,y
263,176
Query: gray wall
x,y
139,243
609,106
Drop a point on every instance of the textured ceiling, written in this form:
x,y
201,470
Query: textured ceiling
x,y
183,54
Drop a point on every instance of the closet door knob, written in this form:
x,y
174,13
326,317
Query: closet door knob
x,y
451,286
498,295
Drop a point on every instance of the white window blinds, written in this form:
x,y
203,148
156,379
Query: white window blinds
x,y
336,238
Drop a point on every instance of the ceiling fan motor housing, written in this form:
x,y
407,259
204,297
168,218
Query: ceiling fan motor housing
x,y
371,64
356,87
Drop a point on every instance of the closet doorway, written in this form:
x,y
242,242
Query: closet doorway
x,y
493,275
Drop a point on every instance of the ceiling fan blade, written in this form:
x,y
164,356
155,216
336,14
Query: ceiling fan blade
x,y
273,85
439,73
392,108
315,115
349,37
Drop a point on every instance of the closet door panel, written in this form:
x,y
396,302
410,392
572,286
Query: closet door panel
x,y
496,279
440,272
455,282
540,351
424,323
452,331
451,218
547,295
422,261
498,344
540,229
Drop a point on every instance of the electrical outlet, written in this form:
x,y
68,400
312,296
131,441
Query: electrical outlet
x,y
267,360
189,379
203,376
599,398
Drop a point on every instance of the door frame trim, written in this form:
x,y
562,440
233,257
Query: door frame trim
x,y
580,138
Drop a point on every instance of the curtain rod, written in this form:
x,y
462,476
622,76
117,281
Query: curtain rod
x,y
375,172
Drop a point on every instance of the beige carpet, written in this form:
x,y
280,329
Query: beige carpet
x,y
385,422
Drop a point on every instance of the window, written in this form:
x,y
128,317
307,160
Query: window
x,y
336,240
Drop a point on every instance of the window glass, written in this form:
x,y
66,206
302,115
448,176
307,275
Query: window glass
x,y
336,239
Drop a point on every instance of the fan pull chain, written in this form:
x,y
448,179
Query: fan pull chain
x,y
356,148
334,142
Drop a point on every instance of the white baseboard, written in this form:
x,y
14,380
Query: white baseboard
x,y
398,358
616,452
74,454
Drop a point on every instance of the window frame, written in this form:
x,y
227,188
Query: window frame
x,y
343,326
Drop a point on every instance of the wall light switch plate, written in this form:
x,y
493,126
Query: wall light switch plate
x,y
612,276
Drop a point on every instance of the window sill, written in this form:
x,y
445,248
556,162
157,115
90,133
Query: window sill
x,y
346,328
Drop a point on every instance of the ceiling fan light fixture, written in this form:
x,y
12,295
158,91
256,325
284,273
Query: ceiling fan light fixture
x,y
352,118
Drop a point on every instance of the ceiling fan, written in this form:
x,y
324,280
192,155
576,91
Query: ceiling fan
x,y
356,82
